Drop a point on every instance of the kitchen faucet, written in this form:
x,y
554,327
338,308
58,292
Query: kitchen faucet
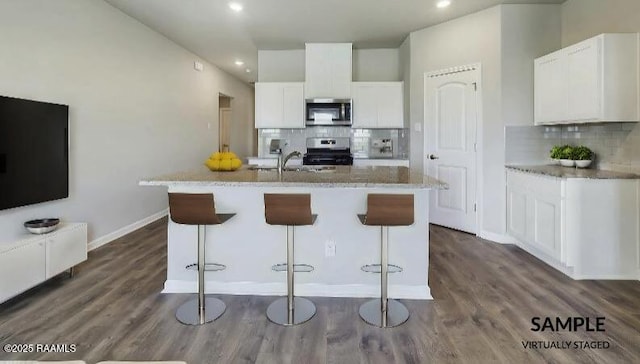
x,y
282,162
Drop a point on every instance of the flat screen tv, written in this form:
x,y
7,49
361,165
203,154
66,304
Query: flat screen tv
x,y
34,152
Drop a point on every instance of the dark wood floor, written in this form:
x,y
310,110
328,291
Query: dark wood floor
x,y
485,296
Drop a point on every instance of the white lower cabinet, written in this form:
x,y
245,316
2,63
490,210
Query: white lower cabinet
x,y
586,228
534,211
265,162
31,260
372,162
66,249
22,268
271,162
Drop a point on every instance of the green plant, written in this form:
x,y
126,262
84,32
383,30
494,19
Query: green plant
x,y
582,153
566,152
556,152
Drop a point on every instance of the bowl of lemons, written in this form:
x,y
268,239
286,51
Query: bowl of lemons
x,y
223,161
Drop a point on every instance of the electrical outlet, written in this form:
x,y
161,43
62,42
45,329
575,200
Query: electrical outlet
x,y
198,66
330,248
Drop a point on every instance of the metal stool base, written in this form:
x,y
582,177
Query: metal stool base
x,y
303,311
188,312
371,313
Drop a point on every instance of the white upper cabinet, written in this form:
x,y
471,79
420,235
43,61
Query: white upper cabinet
x,y
279,105
328,70
550,88
584,72
595,80
377,105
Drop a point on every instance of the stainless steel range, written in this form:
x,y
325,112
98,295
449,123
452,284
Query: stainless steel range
x,y
328,151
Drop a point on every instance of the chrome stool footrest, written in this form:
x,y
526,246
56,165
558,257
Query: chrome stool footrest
x,y
207,267
377,268
282,267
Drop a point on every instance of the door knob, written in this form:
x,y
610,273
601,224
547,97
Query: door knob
x,y
432,156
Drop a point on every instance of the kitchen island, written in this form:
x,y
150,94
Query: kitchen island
x,y
337,245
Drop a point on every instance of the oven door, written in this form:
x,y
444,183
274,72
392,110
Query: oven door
x,y
327,160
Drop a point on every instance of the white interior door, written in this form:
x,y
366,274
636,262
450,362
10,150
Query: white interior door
x,y
225,129
451,105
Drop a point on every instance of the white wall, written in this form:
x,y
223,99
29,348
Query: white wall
x,y
528,32
376,65
504,40
137,107
405,66
281,65
368,65
471,39
582,19
243,136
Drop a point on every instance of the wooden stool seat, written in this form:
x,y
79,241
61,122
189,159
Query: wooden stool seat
x,y
198,209
290,210
386,210
195,209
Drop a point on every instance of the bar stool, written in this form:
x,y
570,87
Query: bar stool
x,y
290,210
385,210
198,209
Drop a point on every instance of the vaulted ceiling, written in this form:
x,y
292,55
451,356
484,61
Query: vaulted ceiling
x,y
222,36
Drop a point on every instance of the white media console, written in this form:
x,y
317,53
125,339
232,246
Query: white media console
x,y
33,259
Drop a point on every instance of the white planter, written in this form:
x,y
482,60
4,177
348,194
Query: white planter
x,y
583,164
567,162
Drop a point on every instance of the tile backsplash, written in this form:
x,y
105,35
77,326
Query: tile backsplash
x,y
360,139
616,145
530,144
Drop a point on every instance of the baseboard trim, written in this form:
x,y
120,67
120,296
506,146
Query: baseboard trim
x,y
105,239
409,292
571,271
497,238
613,277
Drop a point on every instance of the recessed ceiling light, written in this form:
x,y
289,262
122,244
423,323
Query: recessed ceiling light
x,y
443,3
239,63
237,7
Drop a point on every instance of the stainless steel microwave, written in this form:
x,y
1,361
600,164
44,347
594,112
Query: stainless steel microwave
x,y
328,112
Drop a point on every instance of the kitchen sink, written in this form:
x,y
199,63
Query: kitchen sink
x,y
263,168
311,169
315,169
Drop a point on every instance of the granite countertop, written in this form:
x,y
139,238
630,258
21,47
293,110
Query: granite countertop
x,y
571,172
342,176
